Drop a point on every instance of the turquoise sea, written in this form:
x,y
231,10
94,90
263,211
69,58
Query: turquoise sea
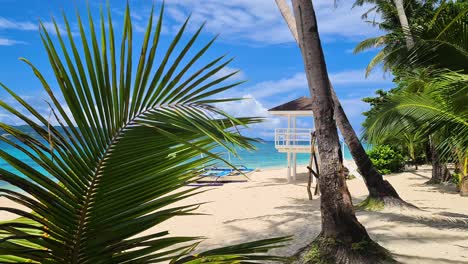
x,y
265,156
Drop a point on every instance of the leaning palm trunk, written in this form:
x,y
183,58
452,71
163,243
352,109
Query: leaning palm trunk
x,y
340,227
381,192
404,23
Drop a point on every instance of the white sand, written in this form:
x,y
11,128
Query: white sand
x,y
267,206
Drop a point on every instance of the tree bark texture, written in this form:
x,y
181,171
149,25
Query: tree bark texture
x,y
437,166
341,231
377,186
400,7
335,200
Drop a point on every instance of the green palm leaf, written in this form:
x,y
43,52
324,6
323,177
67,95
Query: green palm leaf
x,y
370,43
116,164
444,43
441,109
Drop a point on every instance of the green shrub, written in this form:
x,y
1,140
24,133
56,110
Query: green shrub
x,y
457,178
386,159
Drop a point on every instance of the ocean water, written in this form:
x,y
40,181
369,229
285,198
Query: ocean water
x,y
265,156
18,155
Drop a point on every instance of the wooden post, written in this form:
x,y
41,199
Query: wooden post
x,y
311,170
288,134
310,179
294,145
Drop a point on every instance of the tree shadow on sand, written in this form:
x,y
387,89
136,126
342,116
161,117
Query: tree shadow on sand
x,y
300,218
301,180
418,259
384,227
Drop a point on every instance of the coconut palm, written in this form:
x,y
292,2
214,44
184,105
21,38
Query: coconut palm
x,y
439,39
413,141
379,189
340,227
128,138
442,43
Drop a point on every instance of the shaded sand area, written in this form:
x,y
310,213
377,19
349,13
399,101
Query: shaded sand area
x,y
267,206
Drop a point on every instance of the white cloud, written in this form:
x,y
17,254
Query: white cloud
x,y
10,24
296,85
269,88
38,102
251,107
17,25
297,82
357,77
239,76
10,42
260,21
354,107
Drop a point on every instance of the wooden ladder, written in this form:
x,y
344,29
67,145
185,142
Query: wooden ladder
x,y
313,161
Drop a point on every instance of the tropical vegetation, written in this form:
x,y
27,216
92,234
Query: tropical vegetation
x,y
129,136
386,159
426,114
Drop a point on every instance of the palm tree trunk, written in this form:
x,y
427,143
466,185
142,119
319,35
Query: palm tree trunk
x,y
340,227
288,17
404,23
437,167
380,190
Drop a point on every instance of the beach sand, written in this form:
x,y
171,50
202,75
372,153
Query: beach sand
x,y
268,206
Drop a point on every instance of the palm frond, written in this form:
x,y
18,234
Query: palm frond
x,y
370,43
440,109
443,44
133,138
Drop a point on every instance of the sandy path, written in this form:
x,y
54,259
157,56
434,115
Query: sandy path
x,y
437,235
267,206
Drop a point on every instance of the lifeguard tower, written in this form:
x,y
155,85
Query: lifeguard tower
x,y
292,140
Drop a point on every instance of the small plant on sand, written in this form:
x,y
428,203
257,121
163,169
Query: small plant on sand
x,y
371,204
386,159
456,179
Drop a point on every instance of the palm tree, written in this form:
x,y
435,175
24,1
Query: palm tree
x,y
339,222
412,141
380,190
387,8
399,39
439,111
115,164
440,43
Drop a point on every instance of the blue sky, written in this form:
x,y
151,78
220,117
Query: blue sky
x,y
251,31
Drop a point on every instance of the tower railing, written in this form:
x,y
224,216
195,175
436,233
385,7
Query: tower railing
x,y
292,138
